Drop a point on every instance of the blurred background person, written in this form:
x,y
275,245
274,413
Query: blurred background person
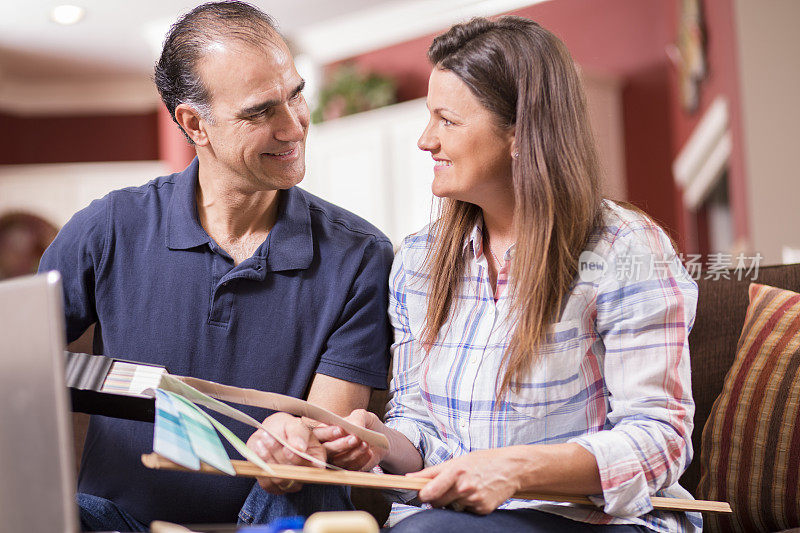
x,y
23,239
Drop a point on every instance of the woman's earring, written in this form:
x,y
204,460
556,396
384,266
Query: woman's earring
x,y
515,155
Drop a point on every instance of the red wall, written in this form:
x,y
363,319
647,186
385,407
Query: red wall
x,y
87,138
627,39
173,147
612,36
722,80
70,139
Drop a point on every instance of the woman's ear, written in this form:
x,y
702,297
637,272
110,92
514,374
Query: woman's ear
x,y
192,123
513,145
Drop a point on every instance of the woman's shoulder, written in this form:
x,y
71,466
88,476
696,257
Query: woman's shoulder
x,y
622,218
624,226
414,248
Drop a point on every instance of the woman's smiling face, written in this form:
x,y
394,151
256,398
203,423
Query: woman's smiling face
x,y
472,152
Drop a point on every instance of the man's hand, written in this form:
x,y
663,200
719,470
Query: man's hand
x,y
479,481
292,430
348,451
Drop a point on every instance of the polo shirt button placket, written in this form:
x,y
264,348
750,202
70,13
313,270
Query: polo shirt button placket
x,y
221,304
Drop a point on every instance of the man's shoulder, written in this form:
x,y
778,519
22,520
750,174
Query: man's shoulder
x,y
123,211
98,210
138,206
340,221
155,188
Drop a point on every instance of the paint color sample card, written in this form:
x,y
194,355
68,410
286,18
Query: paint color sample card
x,y
131,378
203,438
169,436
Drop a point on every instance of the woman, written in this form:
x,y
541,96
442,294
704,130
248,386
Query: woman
x,y
540,332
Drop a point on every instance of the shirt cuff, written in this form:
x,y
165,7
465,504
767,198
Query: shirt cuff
x,y
625,490
410,429
432,449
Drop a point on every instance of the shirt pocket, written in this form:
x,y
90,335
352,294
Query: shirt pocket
x,y
556,375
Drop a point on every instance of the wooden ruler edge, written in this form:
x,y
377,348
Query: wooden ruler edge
x,y
371,480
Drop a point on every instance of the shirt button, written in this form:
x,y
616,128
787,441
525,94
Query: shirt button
x,y
474,359
258,267
463,423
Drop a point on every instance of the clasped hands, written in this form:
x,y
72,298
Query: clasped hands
x,y
297,434
479,481
339,448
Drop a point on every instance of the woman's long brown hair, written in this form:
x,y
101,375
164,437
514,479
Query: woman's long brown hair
x,y
525,76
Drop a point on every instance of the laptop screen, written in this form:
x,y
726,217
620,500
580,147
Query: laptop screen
x,y
37,471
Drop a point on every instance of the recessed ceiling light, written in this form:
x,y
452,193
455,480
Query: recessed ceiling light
x,y
67,14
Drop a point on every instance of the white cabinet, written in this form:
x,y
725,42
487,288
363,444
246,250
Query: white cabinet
x,y
370,164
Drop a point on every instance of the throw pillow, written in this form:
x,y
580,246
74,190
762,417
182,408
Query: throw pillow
x,y
751,442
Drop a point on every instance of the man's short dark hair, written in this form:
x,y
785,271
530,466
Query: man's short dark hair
x,y
176,74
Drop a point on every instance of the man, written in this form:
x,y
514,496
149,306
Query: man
x,y
225,271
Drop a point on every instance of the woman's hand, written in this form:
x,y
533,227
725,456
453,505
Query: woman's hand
x,y
348,451
479,481
293,431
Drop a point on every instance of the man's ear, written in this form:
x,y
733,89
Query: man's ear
x,y
192,123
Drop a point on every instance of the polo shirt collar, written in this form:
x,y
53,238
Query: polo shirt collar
x,y
289,246
290,243
183,227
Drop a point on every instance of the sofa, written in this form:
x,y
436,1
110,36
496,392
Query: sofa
x,y
713,342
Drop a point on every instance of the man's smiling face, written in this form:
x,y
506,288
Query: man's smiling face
x,y
260,118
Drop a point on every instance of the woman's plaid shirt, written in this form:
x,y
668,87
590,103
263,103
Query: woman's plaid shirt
x,y
612,375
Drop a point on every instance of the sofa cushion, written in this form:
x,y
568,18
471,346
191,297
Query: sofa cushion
x,y
720,316
751,441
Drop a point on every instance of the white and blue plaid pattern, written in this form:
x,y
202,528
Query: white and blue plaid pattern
x,y
612,375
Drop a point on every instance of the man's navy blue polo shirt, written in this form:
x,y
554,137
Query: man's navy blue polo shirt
x,y
312,299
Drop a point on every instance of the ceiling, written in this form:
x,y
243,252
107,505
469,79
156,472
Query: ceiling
x,y
123,36
104,62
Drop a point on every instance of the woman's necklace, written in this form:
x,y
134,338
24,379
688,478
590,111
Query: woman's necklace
x,y
501,263
488,244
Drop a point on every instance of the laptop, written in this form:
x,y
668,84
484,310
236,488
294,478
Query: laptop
x,y
37,470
